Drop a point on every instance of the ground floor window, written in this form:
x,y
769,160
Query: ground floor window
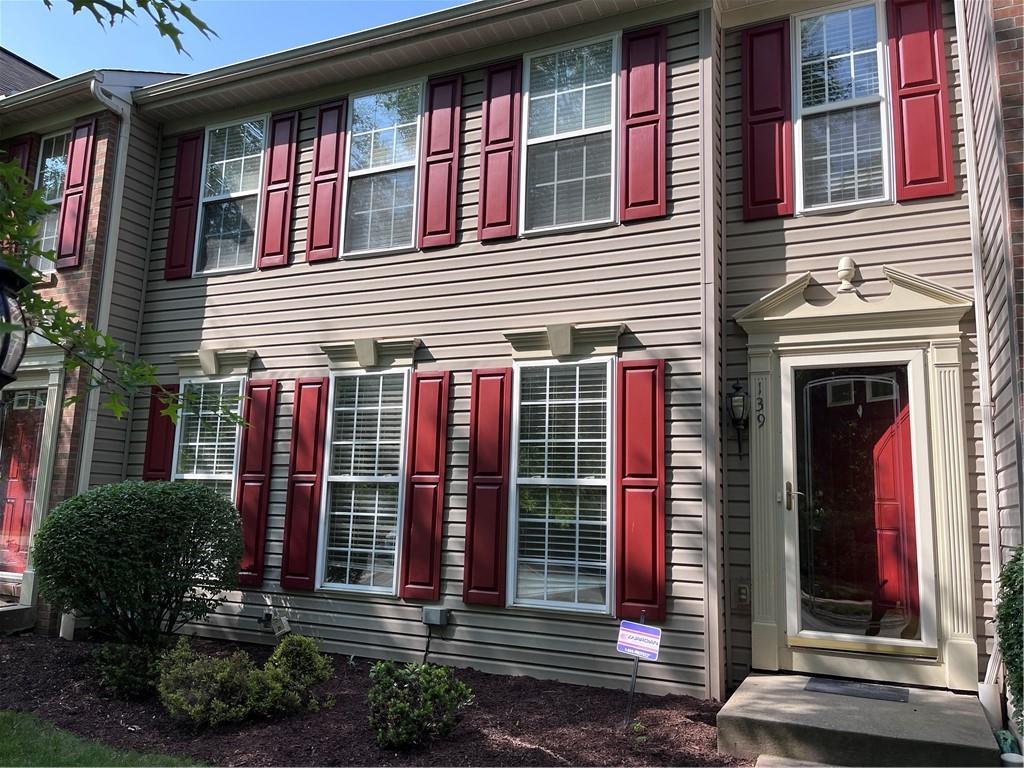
x,y
364,481
21,435
207,435
562,485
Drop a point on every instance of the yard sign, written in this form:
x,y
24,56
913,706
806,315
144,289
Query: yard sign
x,y
639,640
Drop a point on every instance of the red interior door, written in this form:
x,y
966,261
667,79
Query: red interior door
x,y
19,460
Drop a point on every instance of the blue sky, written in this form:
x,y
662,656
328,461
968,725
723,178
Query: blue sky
x,y
65,44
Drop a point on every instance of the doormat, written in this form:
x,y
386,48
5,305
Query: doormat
x,y
860,690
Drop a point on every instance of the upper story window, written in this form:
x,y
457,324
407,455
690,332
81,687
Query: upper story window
x,y
562,485
207,438
364,481
842,124
53,166
570,136
383,147
230,196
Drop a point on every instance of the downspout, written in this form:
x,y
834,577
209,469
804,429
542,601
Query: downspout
x,y
988,688
123,109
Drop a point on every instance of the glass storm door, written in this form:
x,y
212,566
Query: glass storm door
x,y
20,439
852,494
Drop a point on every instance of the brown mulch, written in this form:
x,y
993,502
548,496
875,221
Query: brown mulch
x,y
513,720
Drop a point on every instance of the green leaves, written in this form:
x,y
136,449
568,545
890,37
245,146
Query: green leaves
x,y
414,704
1010,629
165,15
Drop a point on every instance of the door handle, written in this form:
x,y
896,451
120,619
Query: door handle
x,y
790,493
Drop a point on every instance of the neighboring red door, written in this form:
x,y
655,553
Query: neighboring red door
x,y
894,518
19,464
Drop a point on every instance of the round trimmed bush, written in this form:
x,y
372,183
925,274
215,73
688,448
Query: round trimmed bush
x,y
414,704
139,559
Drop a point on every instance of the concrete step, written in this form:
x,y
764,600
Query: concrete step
x,y
16,618
774,715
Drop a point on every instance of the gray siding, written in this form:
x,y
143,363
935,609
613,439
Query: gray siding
x,y
930,238
458,301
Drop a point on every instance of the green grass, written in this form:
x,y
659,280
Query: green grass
x,y
27,740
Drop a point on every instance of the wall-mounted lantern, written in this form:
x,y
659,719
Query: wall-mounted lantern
x,y
739,412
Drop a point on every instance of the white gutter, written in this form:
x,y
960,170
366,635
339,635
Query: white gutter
x,y
123,109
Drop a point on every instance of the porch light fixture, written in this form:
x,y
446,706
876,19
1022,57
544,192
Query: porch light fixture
x,y
12,339
739,404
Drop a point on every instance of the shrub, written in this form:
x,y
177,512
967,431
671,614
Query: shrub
x,y
414,704
140,559
299,658
127,671
1010,628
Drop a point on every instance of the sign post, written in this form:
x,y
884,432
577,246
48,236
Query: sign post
x,y
641,642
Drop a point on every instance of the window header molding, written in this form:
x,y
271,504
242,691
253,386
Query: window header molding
x,y
371,353
215,362
565,340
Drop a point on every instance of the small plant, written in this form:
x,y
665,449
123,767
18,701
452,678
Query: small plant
x,y
1010,629
127,671
414,704
300,659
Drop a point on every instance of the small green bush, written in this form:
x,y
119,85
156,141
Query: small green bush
x,y
127,671
139,559
414,704
1010,629
299,658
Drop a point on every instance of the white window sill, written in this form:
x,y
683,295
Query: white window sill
x,y
353,590
380,252
551,607
225,271
582,227
845,207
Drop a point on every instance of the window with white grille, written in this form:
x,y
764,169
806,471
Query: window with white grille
x,y
383,147
569,136
562,485
53,167
364,481
230,196
842,130
207,435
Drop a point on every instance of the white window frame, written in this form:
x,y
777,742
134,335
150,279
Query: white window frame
x,y
203,200
321,550
882,99
527,142
175,475
513,510
46,266
348,175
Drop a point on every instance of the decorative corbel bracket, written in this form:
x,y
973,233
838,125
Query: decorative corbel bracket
x,y
371,353
207,361
566,340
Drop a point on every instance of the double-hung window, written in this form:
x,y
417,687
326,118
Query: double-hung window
x,y
383,146
53,167
570,121
842,119
364,481
561,489
230,196
207,434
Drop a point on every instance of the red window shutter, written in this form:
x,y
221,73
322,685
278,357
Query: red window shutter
x,y
181,230
21,150
305,475
278,190
254,476
424,490
922,137
159,457
74,206
499,161
490,425
642,142
323,233
640,491
439,174
767,122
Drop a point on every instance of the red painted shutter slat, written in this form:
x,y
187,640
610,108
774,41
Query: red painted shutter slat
x,y
643,114
439,173
181,229
254,476
20,150
323,234
424,489
305,473
74,205
767,122
159,457
499,162
490,423
640,491
278,190
922,136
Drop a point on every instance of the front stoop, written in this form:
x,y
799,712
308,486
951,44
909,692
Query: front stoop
x,y
16,618
774,715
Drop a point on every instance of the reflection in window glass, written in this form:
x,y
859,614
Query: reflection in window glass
x,y
53,165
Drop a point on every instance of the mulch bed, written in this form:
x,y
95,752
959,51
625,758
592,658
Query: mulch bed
x,y
513,721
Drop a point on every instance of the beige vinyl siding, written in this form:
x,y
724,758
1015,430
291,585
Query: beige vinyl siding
x,y
930,238
459,300
110,444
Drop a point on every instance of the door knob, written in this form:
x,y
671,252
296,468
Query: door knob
x,y
790,493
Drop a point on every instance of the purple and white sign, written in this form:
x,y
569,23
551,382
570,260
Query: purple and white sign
x,y
639,640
